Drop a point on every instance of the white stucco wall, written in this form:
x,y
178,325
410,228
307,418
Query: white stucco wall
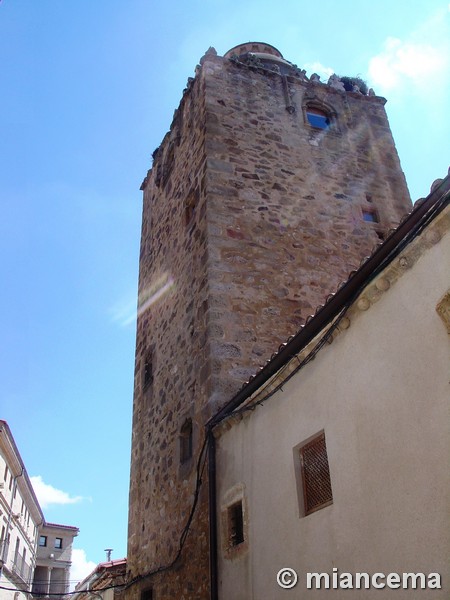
x,y
381,393
20,517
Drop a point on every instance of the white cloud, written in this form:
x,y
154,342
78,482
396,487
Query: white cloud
x,y
401,61
48,495
418,63
320,69
81,567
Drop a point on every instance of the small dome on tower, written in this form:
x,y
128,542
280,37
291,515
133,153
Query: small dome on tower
x,y
254,48
263,55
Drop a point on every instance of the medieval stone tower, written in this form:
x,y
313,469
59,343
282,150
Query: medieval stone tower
x,y
269,188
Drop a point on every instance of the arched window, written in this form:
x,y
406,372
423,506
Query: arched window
x,y
186,441
317,117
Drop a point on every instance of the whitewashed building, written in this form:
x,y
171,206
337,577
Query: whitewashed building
x,y
334,460
20,520
35,556
53,559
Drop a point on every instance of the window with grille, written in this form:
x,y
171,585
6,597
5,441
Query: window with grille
x,y
315,471
235,524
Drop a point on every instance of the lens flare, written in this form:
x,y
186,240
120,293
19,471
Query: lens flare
x,y
153,293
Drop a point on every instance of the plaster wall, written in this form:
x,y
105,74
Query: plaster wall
x,y
380,393
20,517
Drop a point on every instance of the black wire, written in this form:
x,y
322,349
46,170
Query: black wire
x,y
252,405
201,462
415,232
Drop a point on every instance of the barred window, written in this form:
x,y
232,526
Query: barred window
x,y
315,472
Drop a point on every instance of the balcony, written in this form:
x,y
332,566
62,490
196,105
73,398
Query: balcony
x,y
22,569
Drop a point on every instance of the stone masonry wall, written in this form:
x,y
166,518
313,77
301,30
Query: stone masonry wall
x,y
171,336
285,202
250,219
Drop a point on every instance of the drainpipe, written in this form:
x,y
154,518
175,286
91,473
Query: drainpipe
x,y
213,566
35,548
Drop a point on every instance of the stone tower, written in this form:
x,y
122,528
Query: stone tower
x,y
269,188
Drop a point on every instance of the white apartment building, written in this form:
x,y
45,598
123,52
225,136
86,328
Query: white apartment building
x,y
35,556
20,520
53,559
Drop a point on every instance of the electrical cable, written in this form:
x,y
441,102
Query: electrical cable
x,y
409,237
415,232
201,462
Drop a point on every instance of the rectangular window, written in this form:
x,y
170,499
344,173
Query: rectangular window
x,y
147,594
190,206
148,370
186,441
370,216
235,524
43,541
315,473
16,552
168,163
58,543
318,121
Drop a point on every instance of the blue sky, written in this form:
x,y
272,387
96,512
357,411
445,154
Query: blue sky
x,y
88,92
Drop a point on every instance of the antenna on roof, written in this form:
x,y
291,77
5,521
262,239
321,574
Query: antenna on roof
x,y
108,554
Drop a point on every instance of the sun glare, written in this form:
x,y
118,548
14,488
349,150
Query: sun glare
x,y
152,294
